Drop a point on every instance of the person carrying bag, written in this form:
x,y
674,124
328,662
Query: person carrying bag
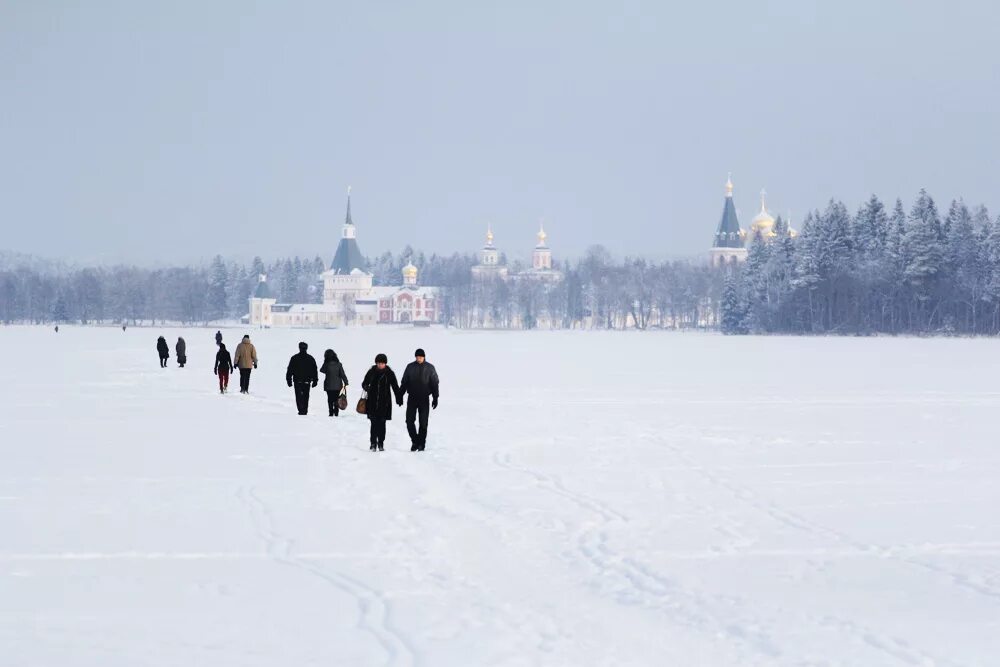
x,y
335,384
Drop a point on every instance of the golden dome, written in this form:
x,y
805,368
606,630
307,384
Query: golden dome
x,y
409,271
763,223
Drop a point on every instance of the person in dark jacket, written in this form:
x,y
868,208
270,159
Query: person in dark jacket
x,y
335,382
420,381
218,338
181,349
223,367
302,375
163,350
381,387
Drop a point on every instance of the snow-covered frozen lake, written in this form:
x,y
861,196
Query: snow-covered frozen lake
x,y
586,498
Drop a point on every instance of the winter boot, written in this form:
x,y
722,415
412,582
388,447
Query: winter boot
x,y
373,446
380,448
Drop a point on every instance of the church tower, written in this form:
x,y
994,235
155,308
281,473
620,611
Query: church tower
x,y
541,258
489,266
347,278
348,256
261,302
728,246
489,256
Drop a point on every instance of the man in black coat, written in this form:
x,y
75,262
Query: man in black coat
x,y
302,373
420,381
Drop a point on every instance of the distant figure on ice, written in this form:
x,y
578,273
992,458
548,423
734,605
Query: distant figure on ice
x,y
302,375
163,351
123,327
245,360
218,338
223,367
381,385
181,349
335,382
420,381
57,328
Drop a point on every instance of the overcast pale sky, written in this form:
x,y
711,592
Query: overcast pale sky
x,y
171,131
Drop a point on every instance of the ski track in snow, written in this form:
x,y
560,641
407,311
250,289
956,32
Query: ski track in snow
x,y
893,647
643,585
374,610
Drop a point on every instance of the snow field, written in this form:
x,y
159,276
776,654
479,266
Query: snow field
x,y
587,498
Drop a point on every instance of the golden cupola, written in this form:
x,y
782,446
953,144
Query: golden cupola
x,y
409,274
763,223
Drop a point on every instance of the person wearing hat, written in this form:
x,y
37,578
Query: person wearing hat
x,y
302,374
245,359
420,381
381,387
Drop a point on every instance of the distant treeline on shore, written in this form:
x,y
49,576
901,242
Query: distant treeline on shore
x,y
876,271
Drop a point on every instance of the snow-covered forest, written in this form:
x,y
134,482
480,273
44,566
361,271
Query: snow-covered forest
x,y
884,269
879,270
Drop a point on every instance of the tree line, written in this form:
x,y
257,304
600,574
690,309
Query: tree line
x,y
876,271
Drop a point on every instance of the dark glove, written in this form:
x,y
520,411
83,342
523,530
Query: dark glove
x,y
289,383
434,404
315,382
399,402
216,372
255,365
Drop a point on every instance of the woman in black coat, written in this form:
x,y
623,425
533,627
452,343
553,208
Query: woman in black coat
x,y
335,382
382,388
181,349
164,351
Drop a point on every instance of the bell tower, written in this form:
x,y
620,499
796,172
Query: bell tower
x,y
541,258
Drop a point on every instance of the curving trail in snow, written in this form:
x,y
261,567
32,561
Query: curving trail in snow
x,y
586,499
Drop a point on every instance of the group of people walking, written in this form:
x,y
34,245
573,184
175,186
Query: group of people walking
x,y
245,361
419,385
381,389
164,351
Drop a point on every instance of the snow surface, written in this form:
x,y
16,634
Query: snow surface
x,y
587,498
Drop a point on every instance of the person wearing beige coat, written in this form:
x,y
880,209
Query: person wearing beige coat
x,y
245,359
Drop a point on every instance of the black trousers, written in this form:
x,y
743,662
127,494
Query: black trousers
x,y
163,362
377,430
245,379
413,410
302,397
331,402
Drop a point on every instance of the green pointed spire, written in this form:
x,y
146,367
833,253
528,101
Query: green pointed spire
x,y
729,234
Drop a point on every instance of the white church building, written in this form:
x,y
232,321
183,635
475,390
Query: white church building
x,y
349,297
